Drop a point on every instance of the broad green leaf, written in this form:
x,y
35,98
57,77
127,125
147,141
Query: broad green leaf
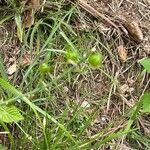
x,y
145,63
146,102
19,27
9,114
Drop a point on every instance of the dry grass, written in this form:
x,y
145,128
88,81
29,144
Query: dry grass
x,y
116,87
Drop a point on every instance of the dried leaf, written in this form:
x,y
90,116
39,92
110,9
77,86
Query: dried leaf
x,y
29,13
148,2
122,53
26,60
35,4
124,88
12,69
85,104
134,30
28,19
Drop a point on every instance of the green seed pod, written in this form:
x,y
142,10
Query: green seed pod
x,y
72,56
95,60
44,68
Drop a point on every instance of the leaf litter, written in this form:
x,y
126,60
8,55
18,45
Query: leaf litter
x,y
29,15
134,30
122,53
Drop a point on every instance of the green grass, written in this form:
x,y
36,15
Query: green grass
x,y
54,118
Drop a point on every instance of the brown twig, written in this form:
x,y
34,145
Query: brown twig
x,y
95,13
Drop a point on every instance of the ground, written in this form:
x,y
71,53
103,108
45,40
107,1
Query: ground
x,y
75,106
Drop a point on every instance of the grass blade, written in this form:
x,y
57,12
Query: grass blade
x,y
35,108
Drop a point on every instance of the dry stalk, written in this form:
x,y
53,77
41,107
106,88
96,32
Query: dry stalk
x,y
95,13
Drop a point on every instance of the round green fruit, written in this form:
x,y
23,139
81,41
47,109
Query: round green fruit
x,y
95,60
44,68
72,56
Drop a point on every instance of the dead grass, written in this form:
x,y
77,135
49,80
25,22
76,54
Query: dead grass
x,y
118,87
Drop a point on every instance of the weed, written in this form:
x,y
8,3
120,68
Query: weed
x,y
58,101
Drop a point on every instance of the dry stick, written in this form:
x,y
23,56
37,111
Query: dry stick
x,y
95,13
